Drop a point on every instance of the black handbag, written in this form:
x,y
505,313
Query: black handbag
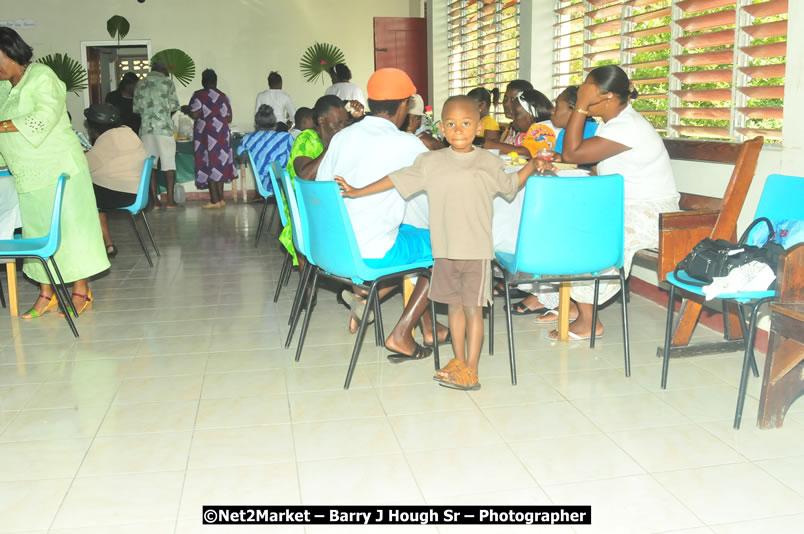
x,y
712,258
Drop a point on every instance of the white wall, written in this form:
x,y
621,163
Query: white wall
x,y
241,39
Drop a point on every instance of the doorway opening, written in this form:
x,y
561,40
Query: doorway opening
x,y
106,63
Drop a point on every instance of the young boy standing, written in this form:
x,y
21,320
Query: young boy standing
x,y
460,182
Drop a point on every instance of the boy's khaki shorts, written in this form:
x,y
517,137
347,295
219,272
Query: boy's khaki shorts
x,y
461,282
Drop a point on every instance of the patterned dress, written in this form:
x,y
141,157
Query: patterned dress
x,y
211,144
266,146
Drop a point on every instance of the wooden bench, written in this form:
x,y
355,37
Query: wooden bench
x,y
783,379
701,217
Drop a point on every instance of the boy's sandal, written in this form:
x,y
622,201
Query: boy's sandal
x,y
419,353
521,309
447,370
33,314
462,378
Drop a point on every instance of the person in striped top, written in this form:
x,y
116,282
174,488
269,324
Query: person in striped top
x,y
266,144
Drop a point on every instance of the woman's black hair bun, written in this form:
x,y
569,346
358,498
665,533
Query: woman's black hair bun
x,y
634,94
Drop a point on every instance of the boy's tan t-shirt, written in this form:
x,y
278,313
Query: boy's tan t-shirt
x,y
460,188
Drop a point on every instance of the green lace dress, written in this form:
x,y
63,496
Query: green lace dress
x,y
307,144
44,147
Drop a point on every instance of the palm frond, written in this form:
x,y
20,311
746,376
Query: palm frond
x,y
118,26
180,65
318,59
68,71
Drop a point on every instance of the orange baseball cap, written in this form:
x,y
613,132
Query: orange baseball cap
x,y
390,84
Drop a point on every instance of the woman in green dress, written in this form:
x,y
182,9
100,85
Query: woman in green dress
x,y
37,144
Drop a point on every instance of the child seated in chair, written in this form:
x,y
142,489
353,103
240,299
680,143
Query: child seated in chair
x,y
460,182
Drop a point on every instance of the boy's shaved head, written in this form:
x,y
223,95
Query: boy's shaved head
x,y
460,100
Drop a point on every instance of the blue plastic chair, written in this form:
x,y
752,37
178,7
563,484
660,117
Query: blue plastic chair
x,y
333,249
266,195
138,207
300,244
571,229
43,249
781,199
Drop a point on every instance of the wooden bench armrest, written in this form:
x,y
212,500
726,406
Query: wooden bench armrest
x,y
679,231
693,202
790,275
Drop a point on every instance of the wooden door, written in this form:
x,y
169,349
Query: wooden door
x,y
94,75
401,42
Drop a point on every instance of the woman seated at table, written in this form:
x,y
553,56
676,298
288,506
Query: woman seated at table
x,y
562,111
489,128
115,163
38,144
509,135
266,145
625,144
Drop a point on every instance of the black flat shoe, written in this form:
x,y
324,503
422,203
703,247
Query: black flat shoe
x,y
113,252
419,353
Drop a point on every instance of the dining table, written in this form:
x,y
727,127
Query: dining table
x,y
9,221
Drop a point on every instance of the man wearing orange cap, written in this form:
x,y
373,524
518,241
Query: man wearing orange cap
x,y
365,152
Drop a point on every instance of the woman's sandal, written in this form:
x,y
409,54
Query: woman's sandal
x,y
33,314
520,308
499,291
113,252
462,377
88,300
419,353
553,314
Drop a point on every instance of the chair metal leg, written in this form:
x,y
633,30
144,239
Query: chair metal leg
x,y
303,278
361,331
627,290
139,238
436,354
491,319
2,296
271,219
626,343
307,313
510,324
261,223
150,234
748,357
753,361
62,304
63,287
668,336
289,272
594,314
379,337
286,265
297,305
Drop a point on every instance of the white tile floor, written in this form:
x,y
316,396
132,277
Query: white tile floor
x,y
179,394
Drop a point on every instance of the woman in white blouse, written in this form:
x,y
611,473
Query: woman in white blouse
x,y
624,144
342,87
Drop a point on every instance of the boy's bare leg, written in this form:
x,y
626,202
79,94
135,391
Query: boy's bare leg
x,y
457,327
474,330
155,190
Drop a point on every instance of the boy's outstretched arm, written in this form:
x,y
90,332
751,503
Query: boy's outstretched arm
x,y
383,184
529,169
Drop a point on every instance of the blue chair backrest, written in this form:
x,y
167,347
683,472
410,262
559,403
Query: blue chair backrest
x,y
54,237
298,231
782,198
328,230
142,191
273,171
571,225
259,180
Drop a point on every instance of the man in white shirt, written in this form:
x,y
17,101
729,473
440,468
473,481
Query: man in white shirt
x,y
362,154
279,100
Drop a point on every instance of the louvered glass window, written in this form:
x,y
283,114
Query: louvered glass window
x,y
483,40
706,69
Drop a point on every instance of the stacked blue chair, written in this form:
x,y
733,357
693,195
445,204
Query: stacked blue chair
x,y
42,249
138,207
300,244
266,195
572,229
782,198
333,249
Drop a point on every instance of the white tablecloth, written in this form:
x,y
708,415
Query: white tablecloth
x,y
9,206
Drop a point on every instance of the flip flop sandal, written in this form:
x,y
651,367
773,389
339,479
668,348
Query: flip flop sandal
x,y
498,291
461,378
554,320
356,305
419,353
452,364
521,309
446,341
571,336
